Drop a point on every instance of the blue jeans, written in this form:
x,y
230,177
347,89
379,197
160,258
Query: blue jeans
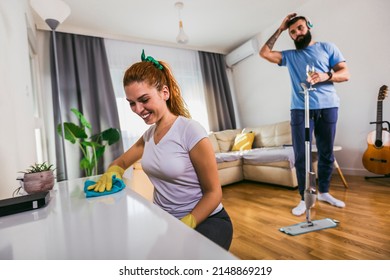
x,y
323,123
218,228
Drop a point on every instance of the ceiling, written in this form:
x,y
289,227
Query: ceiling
x,y
212,25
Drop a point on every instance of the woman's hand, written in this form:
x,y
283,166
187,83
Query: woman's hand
x,y
105,181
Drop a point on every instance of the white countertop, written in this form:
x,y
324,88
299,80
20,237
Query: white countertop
x,y
123,225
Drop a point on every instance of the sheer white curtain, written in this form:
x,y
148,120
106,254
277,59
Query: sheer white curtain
x,y
185,66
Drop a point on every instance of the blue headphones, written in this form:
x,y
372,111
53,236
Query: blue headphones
x,y
309,23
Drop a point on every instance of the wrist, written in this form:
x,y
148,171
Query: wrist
x,y
117,169
189,220
330,76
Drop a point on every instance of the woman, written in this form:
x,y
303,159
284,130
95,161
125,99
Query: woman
x,y
176,153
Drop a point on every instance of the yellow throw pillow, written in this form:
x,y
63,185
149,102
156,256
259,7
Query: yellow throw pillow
x,y
243,141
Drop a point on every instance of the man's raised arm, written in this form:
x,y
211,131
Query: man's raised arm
x,y
266,51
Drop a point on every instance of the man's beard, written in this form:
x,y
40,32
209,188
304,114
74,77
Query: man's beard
x,y
304,41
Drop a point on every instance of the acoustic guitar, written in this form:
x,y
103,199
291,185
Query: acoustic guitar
x,y
376,158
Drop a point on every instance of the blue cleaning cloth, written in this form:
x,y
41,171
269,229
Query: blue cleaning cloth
x,y
117,186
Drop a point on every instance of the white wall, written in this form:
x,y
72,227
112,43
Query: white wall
x,y
360,29
17,142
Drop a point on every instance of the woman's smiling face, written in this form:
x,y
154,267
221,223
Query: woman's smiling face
x,y
146,101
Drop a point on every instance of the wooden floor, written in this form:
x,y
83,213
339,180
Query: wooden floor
x,y
258,211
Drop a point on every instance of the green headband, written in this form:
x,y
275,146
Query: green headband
x,y
152,60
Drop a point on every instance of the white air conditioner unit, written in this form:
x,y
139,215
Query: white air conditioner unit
x,y
247,49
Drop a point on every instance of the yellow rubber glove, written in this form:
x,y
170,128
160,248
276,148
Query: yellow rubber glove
x,y
105,181
189,220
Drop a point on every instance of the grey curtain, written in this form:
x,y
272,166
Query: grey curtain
x,y
85,84
218,95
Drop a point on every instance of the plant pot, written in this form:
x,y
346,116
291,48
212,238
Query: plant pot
x,y
38,182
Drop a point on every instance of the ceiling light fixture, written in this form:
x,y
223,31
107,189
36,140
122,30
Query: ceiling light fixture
x,y
182,37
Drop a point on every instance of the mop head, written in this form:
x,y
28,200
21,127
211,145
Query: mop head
x,y
306,227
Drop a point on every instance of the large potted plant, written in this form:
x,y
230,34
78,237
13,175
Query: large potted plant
x,y
38,178
91,146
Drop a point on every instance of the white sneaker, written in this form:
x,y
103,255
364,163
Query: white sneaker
x,y
300,209
331,200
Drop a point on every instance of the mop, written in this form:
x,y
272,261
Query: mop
x,y
310,193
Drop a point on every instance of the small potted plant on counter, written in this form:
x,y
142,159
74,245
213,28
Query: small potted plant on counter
x,y
38,178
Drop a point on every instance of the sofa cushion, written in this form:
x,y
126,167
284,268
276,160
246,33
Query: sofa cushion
x,y
243,141
214,142
228,156
228,164
269,156
280,164
226,139
272,135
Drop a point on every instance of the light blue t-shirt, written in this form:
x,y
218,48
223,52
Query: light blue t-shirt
x,y
324,56
168,165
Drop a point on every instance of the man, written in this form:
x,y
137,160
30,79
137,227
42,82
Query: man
x,y
330,67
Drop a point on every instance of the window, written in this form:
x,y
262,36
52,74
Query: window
x,y
40,144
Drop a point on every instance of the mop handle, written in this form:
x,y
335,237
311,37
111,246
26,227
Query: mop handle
x,y
310,176
307,139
